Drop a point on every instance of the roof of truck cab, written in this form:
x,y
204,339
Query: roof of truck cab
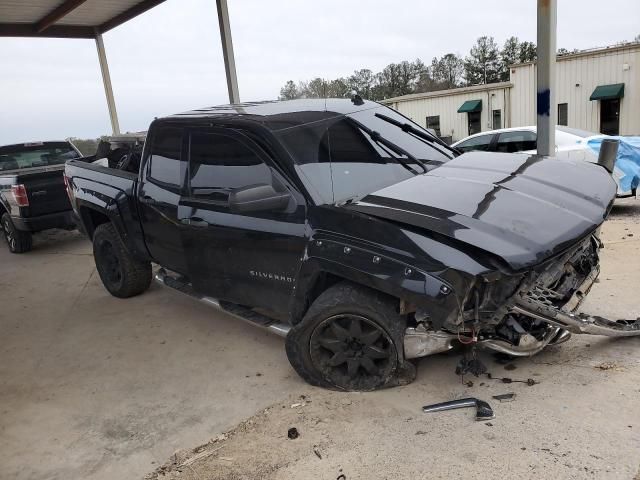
x,y
279,114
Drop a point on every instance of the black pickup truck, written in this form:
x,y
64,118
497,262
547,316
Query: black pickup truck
x,y
32,192
354,232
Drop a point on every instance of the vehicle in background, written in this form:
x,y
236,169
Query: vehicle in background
x,y
352,231
571,144
32,190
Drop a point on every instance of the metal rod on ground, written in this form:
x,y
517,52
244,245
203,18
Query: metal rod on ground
x,y
546,71
106,80
227,51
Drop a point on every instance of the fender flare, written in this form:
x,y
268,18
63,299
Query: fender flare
x,y
373,270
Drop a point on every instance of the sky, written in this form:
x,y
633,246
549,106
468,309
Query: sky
x,y
169,59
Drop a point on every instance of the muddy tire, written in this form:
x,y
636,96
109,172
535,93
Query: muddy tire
x,y
17,241
351,338
122,275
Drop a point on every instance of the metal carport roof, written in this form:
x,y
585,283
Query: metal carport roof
x,y
89,19
67,19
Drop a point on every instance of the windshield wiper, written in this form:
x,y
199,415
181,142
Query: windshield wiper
x,y
377,138
422,135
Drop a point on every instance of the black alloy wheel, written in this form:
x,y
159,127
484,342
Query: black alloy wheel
x,y
352,350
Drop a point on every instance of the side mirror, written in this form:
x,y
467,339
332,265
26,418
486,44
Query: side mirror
x,y
256,198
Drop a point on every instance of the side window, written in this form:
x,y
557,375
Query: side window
x,y
165,165
434,123
220,164
480,143
497,119
518,141
563,114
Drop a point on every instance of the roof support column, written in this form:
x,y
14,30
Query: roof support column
x,y
106,81
227,51
546,76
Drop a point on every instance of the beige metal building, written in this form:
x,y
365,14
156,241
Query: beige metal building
x,y
597,90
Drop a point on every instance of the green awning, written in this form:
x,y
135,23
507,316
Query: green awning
x,y
471,106
607,92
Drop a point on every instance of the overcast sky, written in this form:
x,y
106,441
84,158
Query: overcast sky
x,y
169,59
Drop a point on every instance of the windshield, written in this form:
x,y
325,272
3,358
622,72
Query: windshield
x,y
16,157
349,156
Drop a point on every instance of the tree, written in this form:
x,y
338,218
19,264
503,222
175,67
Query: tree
x,y
483,65
637,39
446,72
315,88
509,55
362,82
87,146
398,79
289,91
338,88
528,52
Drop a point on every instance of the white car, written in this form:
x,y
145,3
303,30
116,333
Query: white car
x,y
571,143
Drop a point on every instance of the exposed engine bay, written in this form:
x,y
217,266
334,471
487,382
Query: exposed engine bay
x,y
522,318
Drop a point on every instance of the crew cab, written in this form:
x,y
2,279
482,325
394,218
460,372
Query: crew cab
x,y
353,232
32,192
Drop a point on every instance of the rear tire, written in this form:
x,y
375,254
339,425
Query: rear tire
x,y
122,275
17,240
351,338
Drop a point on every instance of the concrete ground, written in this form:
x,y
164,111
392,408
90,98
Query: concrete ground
x,y
95,387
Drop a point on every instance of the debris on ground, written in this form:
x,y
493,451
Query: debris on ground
x,y
293,433
505,397
610,366
470,365
529,381
317,452
483,409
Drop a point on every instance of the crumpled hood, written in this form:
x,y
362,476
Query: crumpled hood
x,y
521,208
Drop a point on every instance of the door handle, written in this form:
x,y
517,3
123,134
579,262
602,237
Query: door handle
x,y
149,200
195,222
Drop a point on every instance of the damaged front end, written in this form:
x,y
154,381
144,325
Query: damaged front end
x,y
521,315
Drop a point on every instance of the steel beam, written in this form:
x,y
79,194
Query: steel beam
x,y
106,81
58,13
227,51
546,76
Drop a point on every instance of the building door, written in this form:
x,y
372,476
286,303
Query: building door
x,y
475,125
610,116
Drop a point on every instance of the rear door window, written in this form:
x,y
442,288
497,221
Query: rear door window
x,y
479,143
518,141
166,167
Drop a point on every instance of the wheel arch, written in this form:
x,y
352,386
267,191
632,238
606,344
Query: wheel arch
x,y
394,279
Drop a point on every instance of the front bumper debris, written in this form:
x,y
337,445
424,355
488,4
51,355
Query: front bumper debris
x,y
539,304
483,409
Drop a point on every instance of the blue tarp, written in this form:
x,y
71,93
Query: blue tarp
x,y
627,161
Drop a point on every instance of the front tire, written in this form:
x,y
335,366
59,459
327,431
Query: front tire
x,y
122,275
350,339
17,240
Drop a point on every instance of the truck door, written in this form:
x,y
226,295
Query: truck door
x,y
162,180
249,258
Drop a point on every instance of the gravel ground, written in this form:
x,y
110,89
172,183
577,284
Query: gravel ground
x,y
580,419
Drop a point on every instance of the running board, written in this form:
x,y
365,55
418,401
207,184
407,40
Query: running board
x,y
238,311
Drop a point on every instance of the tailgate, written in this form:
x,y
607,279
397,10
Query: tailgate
x,y
45,190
